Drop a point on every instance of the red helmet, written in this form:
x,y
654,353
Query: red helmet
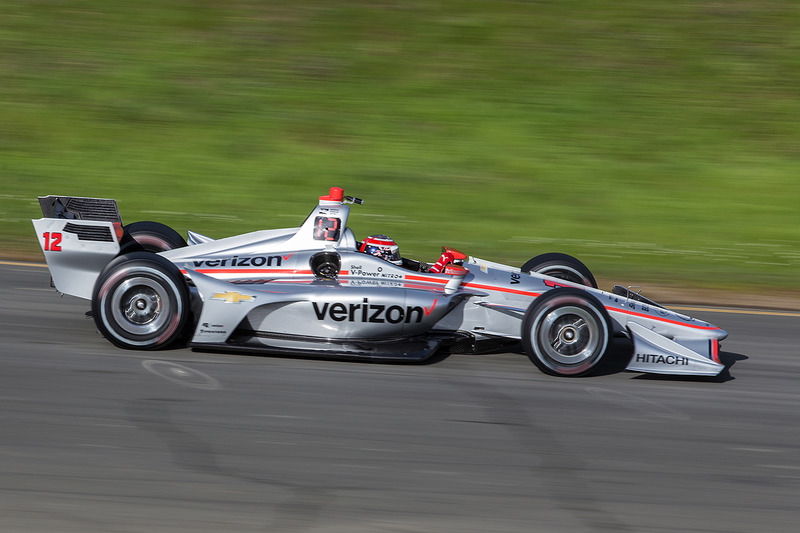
x,y
383,247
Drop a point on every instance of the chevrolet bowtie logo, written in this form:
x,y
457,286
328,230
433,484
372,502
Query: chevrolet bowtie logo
x,y
232,297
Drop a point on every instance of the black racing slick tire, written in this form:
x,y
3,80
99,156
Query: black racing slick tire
x,y
140,302
150,237
561,266
566,332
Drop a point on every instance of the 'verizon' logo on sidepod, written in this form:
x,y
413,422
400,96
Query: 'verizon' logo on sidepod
x,y
236,261
373,313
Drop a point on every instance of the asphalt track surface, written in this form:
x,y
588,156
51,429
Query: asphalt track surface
x,y
95,438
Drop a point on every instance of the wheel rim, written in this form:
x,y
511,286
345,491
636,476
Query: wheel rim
x,y
568,336
140,306
566,273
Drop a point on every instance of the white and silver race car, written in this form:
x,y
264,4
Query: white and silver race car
x,y
311,291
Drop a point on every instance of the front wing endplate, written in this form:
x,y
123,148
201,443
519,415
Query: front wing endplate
x,y
656,354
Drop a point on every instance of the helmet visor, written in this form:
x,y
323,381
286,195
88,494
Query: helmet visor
x,y
387,253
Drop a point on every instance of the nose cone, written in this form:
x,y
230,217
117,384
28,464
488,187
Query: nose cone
x,y
719,334
713,331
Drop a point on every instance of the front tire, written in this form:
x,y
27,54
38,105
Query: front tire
x,y
561,266
566,332
140,302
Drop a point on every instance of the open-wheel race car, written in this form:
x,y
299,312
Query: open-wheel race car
x,y
315,290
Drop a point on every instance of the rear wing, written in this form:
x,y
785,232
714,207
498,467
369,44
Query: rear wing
x,y
77,208
78,237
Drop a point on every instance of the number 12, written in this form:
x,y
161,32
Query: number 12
x,y
52,241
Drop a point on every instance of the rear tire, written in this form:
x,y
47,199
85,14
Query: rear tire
x,y
150,237
140,302
566,332
561,266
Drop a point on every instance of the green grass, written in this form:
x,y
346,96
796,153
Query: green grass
x,y
656,140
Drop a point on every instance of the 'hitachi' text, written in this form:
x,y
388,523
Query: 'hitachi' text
x,y
661,359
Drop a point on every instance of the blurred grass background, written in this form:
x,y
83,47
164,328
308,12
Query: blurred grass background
x,y
658,141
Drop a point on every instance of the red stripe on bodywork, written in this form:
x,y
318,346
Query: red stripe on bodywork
x,y
502,289
426,278
556,284
251,271
632,313
662,319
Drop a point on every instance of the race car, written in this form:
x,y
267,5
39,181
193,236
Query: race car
x,y
315,290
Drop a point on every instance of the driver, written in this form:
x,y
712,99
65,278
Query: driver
x,y
388,250
383,247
